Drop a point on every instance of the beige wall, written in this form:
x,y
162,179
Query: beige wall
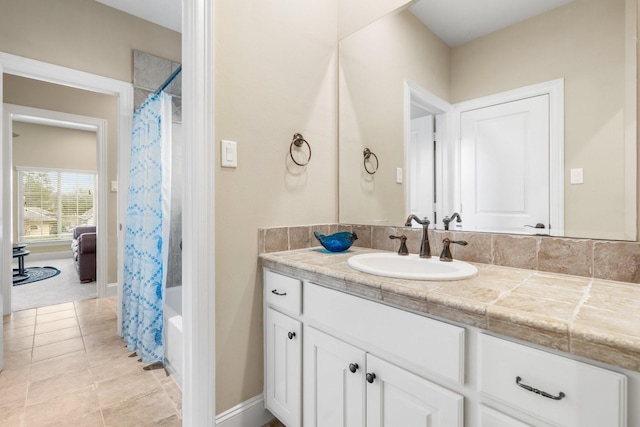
x,y
374,64
50,147
275,75
583,42
87,36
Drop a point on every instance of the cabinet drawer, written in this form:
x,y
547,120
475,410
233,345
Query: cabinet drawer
x,y
283,292
416,343
577,394
489,417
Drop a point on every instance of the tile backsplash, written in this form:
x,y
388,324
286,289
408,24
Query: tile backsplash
x,y
600,259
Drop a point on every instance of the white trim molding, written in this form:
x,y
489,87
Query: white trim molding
x,y
38,70
248,413
198,214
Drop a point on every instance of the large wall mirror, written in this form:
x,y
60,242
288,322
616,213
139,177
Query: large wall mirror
x,y
406,74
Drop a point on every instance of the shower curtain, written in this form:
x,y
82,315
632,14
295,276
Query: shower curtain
x,y
147,231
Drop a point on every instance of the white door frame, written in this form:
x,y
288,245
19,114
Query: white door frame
x,y
198,213
555,90
21,113
416,95
51,73
199,395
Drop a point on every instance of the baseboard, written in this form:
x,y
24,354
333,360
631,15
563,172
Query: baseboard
x,y
112,289
250,413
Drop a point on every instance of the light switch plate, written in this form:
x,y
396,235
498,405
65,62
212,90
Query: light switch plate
x,y
228,154
398,175
577,176
114,186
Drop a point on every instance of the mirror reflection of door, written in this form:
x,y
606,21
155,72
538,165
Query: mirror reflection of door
x,y
421,167
504,166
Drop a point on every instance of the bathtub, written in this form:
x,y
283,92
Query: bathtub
x,y
173,332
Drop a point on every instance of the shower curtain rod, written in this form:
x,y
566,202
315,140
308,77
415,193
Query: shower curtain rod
x,y
167,82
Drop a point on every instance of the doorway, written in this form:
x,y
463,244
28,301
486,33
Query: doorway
x,y
57,160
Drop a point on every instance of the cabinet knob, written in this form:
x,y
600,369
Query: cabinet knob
x,y
370,377
353,367
291,335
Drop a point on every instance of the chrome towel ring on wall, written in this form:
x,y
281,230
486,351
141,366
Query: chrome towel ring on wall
x,y
367,156
298,140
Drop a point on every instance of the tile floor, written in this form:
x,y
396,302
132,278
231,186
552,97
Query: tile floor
x,y
64,365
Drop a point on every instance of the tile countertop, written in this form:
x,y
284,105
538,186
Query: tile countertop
x,y
592,318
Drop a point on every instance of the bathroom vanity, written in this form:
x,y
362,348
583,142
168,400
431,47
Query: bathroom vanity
x,y
348,348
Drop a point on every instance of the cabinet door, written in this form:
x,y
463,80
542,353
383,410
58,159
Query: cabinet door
x,y
334,385
396,397
283,360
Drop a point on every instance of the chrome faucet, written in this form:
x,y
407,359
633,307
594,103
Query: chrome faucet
x,y
446,220
425,249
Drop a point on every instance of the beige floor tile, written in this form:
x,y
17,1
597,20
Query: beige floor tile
x,y
56,386
17,360
57,349
25,331
18,344
52,317
142,410
11,413
14,390
78,408
71,379
124,388
56,336
67,364
173,391
55,308
20,322
70,322
23,314
113,366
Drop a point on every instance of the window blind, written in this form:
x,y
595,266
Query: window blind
x,y
54,202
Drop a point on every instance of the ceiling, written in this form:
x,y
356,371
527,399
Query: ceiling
x,y
454,21
459,21
167,13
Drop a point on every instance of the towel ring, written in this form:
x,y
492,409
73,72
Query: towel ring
x,y
367,156
298,140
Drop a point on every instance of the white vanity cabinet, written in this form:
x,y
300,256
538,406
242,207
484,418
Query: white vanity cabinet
x,y
345,386
554,389
283,348
333,359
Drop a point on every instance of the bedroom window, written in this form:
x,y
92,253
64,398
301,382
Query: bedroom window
x,y
53,202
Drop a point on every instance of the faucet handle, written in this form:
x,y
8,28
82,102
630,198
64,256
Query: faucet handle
x,y
446,252
403,244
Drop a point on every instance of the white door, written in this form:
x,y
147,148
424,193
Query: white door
x,y
334,382
504,166
283,361
421,168
396,397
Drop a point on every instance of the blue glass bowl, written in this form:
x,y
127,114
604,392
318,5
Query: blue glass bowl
x,y
336,242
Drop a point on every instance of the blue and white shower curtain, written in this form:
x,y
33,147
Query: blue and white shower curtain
x,y
147,232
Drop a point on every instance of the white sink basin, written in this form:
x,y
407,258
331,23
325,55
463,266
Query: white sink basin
x,y
411,267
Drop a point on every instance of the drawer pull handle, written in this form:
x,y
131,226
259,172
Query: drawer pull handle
x,y
540,392
353,367
291,335
370,377
275,292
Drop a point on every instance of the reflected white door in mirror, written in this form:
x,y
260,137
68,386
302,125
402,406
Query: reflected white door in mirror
x,y
500,165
